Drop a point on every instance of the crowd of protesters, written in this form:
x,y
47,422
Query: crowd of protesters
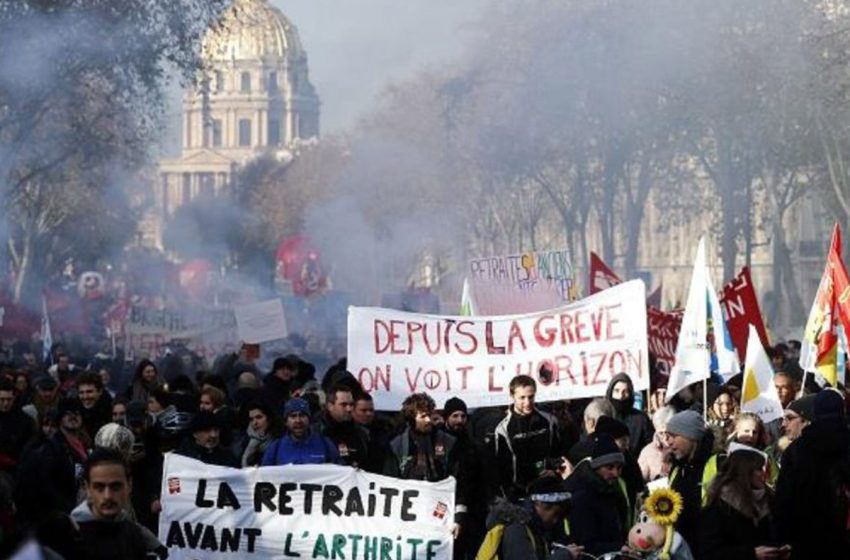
x,y
81,456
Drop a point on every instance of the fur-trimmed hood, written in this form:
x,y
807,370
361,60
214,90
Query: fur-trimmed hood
x,y
504,512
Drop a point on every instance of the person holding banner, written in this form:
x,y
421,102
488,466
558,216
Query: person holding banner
x,y
301,445
526,442
422,452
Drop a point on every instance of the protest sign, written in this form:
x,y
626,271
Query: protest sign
x,y
301,511
663,334
522,282
573,351
205,331
260,322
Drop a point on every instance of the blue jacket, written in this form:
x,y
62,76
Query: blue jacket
x,y
315,450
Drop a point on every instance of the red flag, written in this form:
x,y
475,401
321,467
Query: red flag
x,y
742,310
601,277
840,280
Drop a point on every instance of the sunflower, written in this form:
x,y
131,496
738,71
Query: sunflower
x,y
664,506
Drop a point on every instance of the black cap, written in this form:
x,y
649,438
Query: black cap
x,y
203,420
611,426
453,405
45,383
69,405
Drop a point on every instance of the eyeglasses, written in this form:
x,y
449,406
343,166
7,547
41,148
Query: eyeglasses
x,y
791,417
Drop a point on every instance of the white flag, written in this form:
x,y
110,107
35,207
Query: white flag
x,y
758,394
46,336
693,354
468,308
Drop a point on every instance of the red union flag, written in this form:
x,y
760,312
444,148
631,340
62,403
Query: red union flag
x,y
741,308
601,277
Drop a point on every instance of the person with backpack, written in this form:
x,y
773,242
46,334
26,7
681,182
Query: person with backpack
x,y
535,530
300,445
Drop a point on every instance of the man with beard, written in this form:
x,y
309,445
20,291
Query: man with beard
x,y
621,394
337,424
106,530
472,457
204,442
97,404
51,466
301,445
423,453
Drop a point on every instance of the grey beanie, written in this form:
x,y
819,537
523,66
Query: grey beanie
x,y
687,424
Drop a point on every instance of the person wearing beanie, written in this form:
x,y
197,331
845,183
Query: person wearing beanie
x,y
812,507
455,424
203,442
691,444
536,529
600,516
798,415
631,469
301,445
621,394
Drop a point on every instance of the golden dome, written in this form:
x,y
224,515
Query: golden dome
x,y
251,30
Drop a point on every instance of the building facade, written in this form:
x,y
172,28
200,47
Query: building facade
x,y
254,96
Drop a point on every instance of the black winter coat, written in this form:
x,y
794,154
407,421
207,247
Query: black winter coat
x,y
813,492
727,534
686,479
109,540
598,514
640,426
220,456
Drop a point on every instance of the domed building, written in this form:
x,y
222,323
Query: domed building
x,y
255,96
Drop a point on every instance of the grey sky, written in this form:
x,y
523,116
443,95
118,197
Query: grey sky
x,y
356,47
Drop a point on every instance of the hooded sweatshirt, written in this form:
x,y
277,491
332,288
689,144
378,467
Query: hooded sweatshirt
x,y
639,424
115,538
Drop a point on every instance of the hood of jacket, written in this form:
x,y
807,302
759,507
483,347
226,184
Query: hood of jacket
x,y
504,512
628,380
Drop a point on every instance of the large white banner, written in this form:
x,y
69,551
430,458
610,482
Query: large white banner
x,y
301,511
572,351
521,283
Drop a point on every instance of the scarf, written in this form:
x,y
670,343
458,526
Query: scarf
x,y
759,503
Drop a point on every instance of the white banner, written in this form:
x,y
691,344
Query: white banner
x,y
301,511
261,322
583,345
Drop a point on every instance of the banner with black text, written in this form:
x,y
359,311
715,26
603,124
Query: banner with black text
x,y
301,511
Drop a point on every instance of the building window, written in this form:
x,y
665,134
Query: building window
x,y
274,132
272,81
244,132
187,188
216,132
219,81
246,82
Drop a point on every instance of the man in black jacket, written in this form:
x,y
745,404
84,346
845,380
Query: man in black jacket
x,y
813,490
204,444
16,428
691,444
422,452
337,424
601,510
526,441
